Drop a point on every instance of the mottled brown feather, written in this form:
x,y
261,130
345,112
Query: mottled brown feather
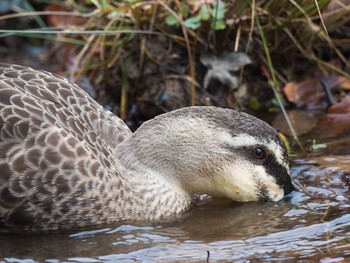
x,y
48,142
67,162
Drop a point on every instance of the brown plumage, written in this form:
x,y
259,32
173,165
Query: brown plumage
x,y
67,162
56,145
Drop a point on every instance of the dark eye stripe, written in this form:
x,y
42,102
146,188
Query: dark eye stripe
x,y
280,172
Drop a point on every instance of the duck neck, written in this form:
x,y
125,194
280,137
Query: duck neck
x,y
152,195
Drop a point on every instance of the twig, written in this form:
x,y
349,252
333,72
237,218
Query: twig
x,y
328,93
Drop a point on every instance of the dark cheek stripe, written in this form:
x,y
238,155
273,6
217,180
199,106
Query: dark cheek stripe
x,y
280,172
272,166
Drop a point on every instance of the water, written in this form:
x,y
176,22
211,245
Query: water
x,y
312,226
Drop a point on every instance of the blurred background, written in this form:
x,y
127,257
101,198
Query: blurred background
x,y
142,58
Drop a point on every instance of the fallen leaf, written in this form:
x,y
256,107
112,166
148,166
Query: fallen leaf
x,y
66,20
334,10
336,121
302,122
310,93
341,107
336,4
304,92
344,83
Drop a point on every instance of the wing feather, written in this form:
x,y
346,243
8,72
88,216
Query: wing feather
x,y
56,148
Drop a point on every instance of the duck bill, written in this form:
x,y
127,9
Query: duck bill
x,y
289,187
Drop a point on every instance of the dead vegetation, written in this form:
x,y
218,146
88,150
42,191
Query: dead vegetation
x,y
148,57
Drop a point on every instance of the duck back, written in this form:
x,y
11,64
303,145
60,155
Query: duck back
x,y
56,151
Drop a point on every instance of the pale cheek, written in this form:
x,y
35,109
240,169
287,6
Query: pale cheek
x,y
240,184
274,191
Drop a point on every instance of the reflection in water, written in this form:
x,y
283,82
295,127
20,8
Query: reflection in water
x,y
314,224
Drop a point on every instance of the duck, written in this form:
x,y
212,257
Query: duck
x,y
66,162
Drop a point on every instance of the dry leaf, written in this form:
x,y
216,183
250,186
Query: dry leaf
x,y
310,92
341,107
343,83
64,21
334,10
304,92
337,120
302,122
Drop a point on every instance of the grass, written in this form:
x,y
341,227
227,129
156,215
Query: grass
x,y
276,33
275,85
290,27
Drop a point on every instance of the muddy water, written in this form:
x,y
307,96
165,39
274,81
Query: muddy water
x,y
314,225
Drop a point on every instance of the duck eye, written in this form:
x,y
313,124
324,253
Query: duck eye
x,y
258,153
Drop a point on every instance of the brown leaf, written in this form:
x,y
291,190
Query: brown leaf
x,y
341,107
344,83
304,92
310,92
334,10
66,20
336,121
334,5
302,122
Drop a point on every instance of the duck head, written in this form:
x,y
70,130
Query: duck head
x,y
220,152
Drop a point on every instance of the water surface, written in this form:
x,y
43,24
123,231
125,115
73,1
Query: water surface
x,y
305,226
